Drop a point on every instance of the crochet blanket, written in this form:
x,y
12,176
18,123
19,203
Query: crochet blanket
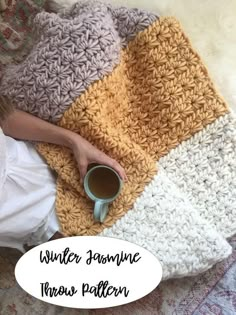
x,y
132,85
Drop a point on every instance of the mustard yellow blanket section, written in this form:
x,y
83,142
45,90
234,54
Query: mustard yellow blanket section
x,y
158,96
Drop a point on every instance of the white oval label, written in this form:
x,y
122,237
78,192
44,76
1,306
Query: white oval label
x,y
88,272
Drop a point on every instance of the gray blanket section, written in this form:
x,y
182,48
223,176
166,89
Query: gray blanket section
x,y
74,50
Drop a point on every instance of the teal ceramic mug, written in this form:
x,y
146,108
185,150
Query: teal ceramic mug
x,y
102,184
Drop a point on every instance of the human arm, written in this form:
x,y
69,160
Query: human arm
x,y
24,126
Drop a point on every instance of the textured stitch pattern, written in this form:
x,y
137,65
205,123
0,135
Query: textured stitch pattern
x,y
158,96
204,168
164,222
177,215
74,50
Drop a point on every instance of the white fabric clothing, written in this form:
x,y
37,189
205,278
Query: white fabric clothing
x,y
27,195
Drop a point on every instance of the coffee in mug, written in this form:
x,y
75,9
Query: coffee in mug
x,y
102,184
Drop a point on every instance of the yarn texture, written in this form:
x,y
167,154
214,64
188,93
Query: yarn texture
x,y
132,85
183,215
74,50
136,115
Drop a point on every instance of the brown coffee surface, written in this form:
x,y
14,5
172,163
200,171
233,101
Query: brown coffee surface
x,y
103,183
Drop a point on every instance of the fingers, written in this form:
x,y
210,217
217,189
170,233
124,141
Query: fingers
x,y
100,158
119,170
116,166
83,165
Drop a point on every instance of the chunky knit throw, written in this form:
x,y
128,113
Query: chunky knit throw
x,y
132,85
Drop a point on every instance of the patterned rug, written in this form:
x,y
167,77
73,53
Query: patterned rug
x,y
16,29
211,293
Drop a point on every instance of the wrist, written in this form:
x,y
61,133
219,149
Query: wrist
x,y
71,139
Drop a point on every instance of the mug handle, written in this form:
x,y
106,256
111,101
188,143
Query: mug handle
x,y
100,210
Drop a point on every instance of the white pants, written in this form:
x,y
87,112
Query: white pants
x,y
27,200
